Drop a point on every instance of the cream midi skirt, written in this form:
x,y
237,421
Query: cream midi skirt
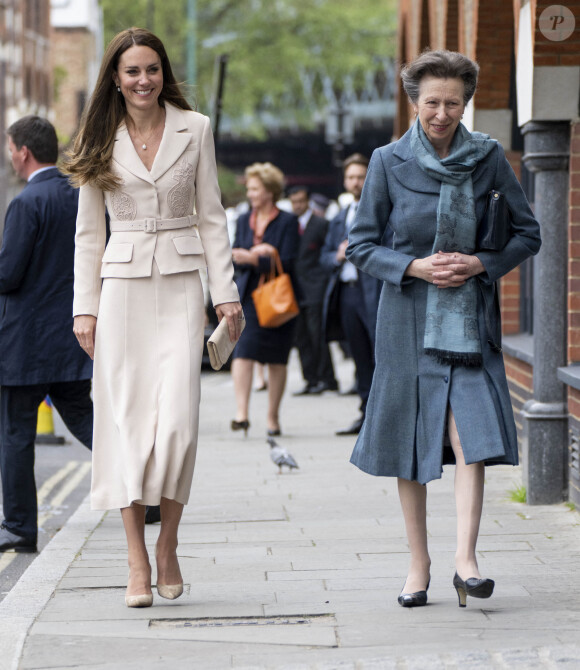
x,y
146,389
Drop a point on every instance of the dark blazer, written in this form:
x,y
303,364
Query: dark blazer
x,y
370,285
281,233
37,344
312,276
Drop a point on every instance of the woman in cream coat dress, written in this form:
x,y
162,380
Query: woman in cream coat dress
x,y
138,297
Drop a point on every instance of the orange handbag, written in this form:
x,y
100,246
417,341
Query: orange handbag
x,y
274,297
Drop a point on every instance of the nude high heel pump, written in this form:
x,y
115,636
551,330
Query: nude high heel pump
x,y
143,600
170,591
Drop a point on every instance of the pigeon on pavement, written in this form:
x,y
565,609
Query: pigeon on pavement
x,y
280,455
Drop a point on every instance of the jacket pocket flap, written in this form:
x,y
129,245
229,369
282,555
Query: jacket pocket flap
x,y
187,244
118,252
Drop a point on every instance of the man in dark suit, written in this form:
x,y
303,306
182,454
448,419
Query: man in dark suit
x,y
39,354
352,296
312,346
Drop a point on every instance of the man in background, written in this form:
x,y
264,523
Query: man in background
x,y
352,297
39,354
315,359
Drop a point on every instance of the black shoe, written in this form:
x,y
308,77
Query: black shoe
x,y
153,514
417,599
9,540
329,386
307,390
273,432
240,425
321,387
476,588
354,429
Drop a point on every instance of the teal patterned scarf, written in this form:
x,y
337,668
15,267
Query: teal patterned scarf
x,y
451,331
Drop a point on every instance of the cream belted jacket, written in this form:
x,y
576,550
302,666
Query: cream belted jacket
x,y
172,214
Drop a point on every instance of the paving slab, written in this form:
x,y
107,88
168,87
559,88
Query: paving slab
x,y
301,571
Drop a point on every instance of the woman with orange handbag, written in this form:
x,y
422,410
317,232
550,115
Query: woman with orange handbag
x,y
261,233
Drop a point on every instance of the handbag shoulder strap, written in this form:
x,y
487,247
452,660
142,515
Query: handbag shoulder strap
x,y
275,268
276,260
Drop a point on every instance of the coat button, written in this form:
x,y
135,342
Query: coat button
x,y
446,379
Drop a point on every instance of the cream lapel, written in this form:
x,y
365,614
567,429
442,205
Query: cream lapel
x,y
175,140
125,155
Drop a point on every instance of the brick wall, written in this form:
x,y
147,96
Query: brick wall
x,y
520,378
494,54
71,52
452,28
510,284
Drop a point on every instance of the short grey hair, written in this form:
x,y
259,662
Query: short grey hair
x,y
444,65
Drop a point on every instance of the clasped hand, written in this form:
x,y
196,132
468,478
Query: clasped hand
x,y
251,256
446,269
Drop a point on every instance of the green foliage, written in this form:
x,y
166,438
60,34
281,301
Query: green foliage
x,y
166,18
518,494
271,45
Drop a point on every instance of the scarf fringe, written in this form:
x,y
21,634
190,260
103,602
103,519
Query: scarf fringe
x,y
466,360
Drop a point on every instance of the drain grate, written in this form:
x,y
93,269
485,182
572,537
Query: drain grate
x,y
225,622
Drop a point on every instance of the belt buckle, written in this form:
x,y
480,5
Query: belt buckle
x,y
150,225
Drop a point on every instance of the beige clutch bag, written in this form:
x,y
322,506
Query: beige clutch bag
x,y
219,345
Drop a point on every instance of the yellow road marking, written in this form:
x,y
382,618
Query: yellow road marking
x,y
5,560
46,489
54,481
67,488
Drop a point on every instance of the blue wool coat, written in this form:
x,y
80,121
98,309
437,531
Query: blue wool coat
x,y
37,344
405,428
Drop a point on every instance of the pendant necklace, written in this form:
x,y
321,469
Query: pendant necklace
x,y
148,139
144,143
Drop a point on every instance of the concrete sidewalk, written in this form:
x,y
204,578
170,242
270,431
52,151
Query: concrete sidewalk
x,y
302,570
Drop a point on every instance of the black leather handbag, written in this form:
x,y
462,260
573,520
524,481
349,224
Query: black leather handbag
x,y
494,229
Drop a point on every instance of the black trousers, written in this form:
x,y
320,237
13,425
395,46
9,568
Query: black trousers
x,y
354,324
18,420
312,346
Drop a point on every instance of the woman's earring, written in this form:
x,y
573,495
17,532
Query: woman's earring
x,y
119,90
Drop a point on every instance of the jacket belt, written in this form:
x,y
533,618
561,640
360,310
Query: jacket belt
x,y
152,225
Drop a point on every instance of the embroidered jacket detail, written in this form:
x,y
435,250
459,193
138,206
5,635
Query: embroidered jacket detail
x,y
124,207
179,197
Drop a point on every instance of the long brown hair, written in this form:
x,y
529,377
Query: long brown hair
x,y
89,160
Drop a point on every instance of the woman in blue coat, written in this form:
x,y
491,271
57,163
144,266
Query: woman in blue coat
x,y
259,234
439,392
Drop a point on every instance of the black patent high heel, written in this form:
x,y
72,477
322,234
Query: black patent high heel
x,y
240,425
476,588
417,599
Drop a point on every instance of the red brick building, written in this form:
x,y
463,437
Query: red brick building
x,y
528,98
25,76
76,52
